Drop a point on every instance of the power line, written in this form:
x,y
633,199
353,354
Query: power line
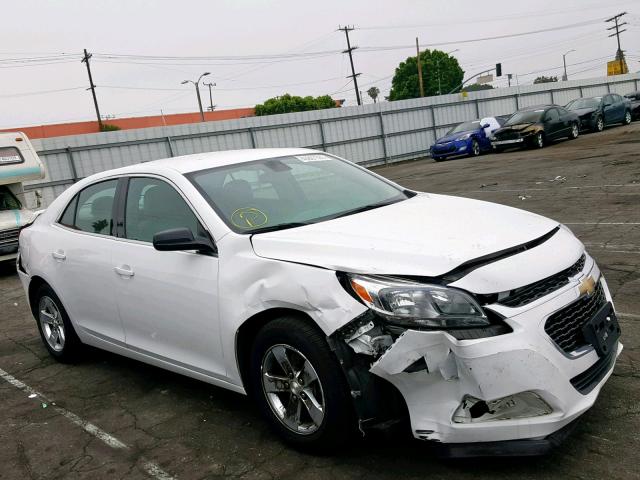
x,y
40,92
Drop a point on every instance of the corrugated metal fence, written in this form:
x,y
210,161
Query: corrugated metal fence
x,y
370,135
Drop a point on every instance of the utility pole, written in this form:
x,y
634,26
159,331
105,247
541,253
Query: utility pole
x,y
85,60
197,85
420,70
564,62
354,75
620,52
210,84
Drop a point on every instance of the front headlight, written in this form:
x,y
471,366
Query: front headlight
x,y
418,304
464,137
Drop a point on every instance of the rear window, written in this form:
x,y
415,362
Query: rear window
x,y
9,155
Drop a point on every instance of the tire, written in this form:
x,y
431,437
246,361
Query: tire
x,y
627,118
289,343
575,131
56,331
598,126
538,141
475,149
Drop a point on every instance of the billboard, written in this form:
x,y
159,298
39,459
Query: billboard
x,y
617,67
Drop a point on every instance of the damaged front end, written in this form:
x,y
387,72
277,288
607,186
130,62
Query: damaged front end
x,y
484,371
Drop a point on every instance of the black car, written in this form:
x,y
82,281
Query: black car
x,y
634,98
535,127
597,112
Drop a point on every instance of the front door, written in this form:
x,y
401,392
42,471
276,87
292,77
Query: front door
x,y
168,301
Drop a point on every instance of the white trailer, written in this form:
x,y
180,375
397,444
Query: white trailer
x,y
19,163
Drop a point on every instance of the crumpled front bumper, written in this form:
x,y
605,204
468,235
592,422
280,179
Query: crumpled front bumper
x,y
526,360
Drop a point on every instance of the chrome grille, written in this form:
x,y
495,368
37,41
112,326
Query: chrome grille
x,y
529,293
565,326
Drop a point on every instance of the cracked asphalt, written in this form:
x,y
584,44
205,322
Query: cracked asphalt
x,y
192,430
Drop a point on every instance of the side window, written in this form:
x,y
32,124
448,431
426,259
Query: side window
x,y
91,209
153,206
551,115
607,100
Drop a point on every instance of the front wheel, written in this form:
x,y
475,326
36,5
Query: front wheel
x,y
627,118
299,386
56,330
538,141
575,131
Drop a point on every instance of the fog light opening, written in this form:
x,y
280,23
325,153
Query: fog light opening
x,y
520,405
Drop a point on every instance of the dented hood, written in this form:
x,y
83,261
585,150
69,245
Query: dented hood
x,y
427,235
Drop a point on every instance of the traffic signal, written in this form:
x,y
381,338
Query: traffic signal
x,y
498,69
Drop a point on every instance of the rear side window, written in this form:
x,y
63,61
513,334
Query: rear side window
x,y
91,209
154,206
9,155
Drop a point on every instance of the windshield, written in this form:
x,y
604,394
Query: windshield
x,y
465,127
7,200
527,116
284,192
584,103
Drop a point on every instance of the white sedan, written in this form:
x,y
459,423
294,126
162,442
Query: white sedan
x,y
338,300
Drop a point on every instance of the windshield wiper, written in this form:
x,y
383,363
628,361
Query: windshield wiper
x,y
280,226
366,208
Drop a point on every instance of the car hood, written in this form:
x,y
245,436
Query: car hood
x,y
519,127
15,218
583,111
454,136
427,235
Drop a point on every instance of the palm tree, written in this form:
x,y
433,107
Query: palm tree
x,y
373,92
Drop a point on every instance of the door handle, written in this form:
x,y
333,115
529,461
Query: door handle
x,y
124,271
59,255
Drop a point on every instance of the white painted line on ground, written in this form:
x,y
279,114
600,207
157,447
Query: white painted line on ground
x,y
152,468
628,315
602,223
537,189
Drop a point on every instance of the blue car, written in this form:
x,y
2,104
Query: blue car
x,y
467,138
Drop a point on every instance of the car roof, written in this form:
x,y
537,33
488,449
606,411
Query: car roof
x,y
537,107
202,161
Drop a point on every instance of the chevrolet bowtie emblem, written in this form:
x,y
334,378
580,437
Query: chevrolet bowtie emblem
x,y
588,286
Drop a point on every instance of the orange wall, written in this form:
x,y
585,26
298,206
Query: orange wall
x,y
78,128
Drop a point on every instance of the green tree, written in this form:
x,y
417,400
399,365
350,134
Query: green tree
x,y
373,92
543,79
474,87
290,103
440,73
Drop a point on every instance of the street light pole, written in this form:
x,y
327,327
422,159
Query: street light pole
x,y
438,68
564,62
196,84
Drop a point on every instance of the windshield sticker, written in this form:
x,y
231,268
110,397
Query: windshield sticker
x,y
313,158
248,217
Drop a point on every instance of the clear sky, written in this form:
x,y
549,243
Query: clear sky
x,y
244,33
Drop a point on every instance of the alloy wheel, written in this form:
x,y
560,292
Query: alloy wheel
x,y
476,149
599,124
51,323
627,118
575,131
293,389
539,140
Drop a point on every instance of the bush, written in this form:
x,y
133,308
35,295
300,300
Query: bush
x,y
107,127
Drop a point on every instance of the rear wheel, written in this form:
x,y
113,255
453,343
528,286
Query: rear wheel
x,y
627,118
55,328
598,125
299,387
575,131
475,149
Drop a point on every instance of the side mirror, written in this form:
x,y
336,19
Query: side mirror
x,y
181,239
486,125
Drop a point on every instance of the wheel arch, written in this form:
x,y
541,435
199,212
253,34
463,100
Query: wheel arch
x,y
35,283
248,330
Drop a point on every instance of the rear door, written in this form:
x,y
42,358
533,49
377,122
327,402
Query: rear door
x,y
611,110
79,247
168,301
566,119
